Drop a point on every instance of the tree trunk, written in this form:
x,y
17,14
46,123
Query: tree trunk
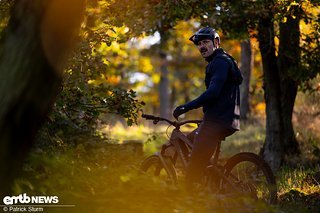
x,y
164,87
32,51
273,147
246,67
288,61
173,95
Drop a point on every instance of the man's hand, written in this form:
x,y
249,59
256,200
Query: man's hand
x,y
179,111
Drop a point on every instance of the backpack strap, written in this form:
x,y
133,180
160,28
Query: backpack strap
x,y
236,73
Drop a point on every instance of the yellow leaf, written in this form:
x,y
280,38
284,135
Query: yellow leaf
x,y
145,65
284,20
156,78
261,107
124,178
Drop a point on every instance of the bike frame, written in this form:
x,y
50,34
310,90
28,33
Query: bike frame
x,y
175,139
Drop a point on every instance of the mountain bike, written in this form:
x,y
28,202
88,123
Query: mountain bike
x,y
244,173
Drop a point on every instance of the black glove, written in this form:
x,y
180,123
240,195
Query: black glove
x,y
179,111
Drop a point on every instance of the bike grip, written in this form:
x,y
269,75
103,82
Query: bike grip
x,y
146,116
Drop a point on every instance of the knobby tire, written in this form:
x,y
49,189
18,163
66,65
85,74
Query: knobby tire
x,y
232,170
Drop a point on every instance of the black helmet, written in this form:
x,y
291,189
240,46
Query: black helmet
x,y
205,33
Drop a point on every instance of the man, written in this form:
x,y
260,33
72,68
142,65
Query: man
x,y
220,102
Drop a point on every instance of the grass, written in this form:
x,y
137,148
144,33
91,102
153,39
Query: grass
x,y
298,191
103,179
102,176
249,139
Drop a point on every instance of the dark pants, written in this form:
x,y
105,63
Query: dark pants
x,y
205,141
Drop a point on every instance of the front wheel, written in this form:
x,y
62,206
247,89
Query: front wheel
x,y
154,166
251,175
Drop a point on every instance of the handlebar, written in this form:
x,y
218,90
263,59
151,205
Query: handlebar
x,y
176,124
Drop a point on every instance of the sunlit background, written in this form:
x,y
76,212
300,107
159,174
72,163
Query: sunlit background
x,y
132,59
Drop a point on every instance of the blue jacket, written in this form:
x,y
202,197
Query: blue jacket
x,y
221,100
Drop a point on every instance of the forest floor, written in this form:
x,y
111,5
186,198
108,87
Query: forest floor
x,y
101,175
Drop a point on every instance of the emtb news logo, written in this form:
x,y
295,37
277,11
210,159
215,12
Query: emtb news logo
x,y
25,199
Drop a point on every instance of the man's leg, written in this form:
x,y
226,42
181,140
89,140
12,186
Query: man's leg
x,y
206,140
192,134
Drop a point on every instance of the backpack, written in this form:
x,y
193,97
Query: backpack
x,y
237,75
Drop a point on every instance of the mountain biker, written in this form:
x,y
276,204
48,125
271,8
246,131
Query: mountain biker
x,y
220,102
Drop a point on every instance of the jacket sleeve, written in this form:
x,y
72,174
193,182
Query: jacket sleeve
x,y
219,68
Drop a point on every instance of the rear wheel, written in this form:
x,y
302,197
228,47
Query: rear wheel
x,y
153,166
249,174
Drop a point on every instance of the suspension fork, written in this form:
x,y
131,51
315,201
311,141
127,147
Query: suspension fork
x,y
176,137
166,167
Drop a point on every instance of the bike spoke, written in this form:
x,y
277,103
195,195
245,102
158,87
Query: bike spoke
x,y
251,176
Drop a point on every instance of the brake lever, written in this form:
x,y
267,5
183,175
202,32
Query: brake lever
x,y
155,122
